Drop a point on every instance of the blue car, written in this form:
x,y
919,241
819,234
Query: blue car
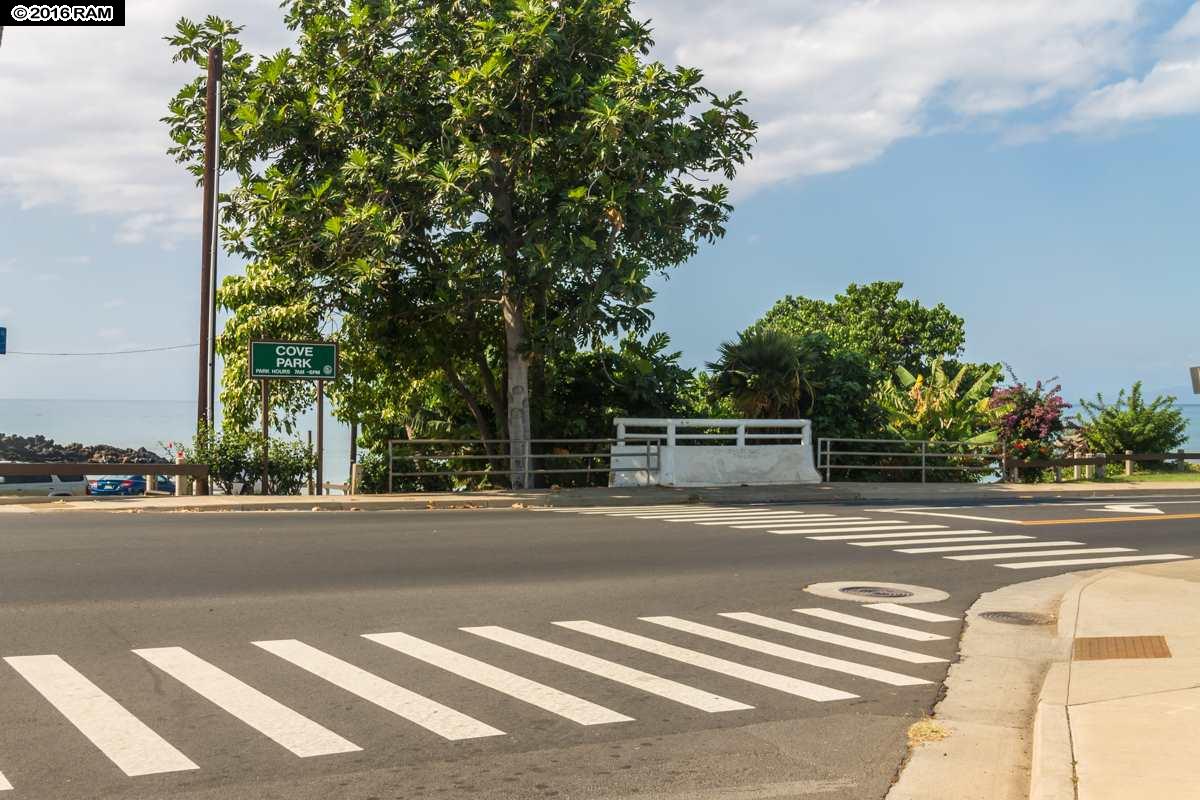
x,y
129,485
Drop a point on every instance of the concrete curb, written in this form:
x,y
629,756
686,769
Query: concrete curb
x,y
882,494
1052,773
991,701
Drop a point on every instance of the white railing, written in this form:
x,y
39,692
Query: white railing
x,y
674,431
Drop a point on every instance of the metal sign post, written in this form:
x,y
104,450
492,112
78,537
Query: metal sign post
x,y
298,361
1195,377
320,437
266,433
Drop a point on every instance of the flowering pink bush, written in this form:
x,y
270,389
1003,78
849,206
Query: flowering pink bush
x,y
1031,420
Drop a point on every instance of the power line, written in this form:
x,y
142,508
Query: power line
x,y
107,352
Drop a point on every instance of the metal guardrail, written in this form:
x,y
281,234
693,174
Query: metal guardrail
x,y
497,462
830,458
980,457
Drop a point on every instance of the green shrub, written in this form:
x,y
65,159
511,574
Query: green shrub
x,y
289,463
1130,423
234,458
228,455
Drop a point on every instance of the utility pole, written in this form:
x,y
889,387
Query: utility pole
x,y
211,126
216,244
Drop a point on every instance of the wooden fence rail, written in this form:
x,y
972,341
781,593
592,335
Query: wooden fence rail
x,y
1099,461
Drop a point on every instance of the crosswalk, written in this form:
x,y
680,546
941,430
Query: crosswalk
x,y
1013,551
853,648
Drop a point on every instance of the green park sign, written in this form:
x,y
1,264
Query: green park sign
x,y
306,361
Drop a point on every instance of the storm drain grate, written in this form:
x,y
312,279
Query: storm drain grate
x,y
876,591
1100,648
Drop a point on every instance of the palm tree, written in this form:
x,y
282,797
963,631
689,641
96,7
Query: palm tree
x,y
766,375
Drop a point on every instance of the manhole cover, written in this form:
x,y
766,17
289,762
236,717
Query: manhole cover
x,y
876,591
1017,617
864,589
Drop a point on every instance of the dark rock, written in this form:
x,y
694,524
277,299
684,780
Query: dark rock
x,y
39,450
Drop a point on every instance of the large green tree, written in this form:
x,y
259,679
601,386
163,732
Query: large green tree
x,y
872,319
457,186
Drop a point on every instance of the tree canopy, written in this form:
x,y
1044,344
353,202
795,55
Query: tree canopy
x,y
455,189
872,319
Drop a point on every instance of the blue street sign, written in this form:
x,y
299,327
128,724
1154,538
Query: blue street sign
x,y
3,341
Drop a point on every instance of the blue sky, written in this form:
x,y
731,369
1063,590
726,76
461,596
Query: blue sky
x,y
1033,164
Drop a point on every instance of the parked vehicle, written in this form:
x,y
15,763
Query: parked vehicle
x,y
43,485
129,485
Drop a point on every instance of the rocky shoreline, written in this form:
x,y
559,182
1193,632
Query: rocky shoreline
x,y
39,450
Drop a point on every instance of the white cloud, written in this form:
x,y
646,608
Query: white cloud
x,y
114,303
1188,27
74,260
1171,88
834,84
81,126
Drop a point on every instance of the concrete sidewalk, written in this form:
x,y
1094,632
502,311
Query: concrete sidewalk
x,y
1065,706
1124,712
903,493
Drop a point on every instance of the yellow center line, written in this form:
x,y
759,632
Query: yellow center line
x,y
1091,520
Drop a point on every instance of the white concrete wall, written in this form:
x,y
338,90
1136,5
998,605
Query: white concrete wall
x,y
716,465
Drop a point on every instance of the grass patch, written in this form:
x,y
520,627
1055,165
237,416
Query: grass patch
x,y
925,731
1116,474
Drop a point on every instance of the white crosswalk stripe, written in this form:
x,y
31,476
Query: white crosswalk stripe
x,y
871,625
4,784
777,519
269,717
565,705
634,512
962,548
1072,562
612,509
733,516
672,690
789,653
809,522
844,534
949,540
762,677
431,715
1077,551
902,536
123,738
833,638
894,529
910,612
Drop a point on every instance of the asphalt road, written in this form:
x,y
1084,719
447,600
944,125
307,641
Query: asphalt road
x,y
633,707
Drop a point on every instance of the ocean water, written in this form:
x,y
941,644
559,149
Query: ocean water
x,y
141,423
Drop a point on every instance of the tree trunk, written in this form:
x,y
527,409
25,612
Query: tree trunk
x,y
518,391
481,422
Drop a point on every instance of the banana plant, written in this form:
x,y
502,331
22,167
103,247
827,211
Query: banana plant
x,y
938,407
